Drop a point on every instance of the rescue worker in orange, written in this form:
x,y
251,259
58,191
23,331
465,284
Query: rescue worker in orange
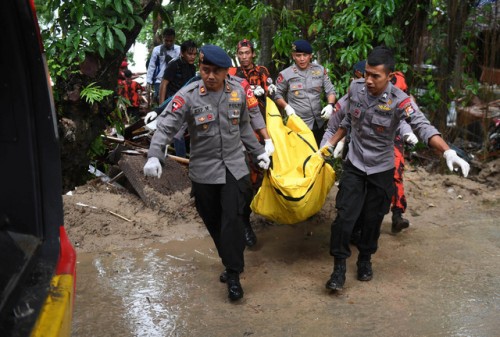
x,y
132,91
257,79
257,76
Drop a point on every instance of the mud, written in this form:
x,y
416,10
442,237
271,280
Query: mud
x,y
157,274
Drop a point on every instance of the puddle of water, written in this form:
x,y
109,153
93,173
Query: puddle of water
x,y
136,293
427,283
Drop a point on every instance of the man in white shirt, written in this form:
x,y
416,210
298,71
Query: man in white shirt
x,y
160,56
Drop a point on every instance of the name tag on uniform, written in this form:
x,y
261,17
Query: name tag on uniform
x,y
202,109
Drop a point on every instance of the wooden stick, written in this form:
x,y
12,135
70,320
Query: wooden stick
x,y
120,216
181,160
116,177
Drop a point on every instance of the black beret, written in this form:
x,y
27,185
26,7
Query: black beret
x,y
359,66
302,46
214,55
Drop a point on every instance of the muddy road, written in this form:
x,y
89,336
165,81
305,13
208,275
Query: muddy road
x,y
156,273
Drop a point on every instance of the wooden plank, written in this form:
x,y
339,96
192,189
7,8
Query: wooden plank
x,y
174,178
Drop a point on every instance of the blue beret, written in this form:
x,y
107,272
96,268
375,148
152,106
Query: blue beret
x,y
302,46
214,55
359,66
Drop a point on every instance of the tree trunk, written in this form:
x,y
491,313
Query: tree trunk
x,y
79,122
267,31
449,66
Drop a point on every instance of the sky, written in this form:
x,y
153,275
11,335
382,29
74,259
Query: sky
x,y
140,53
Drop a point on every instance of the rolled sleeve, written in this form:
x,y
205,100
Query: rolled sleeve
x,y
166,127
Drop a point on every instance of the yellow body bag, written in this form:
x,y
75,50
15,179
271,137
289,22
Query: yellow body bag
x,y
297,183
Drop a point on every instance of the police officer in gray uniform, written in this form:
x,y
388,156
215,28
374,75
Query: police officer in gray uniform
x,y
299,88
374,111
218,122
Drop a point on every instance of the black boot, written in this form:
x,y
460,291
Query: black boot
x,y
398,222
250,237
234,290
365,272
223,276
337,279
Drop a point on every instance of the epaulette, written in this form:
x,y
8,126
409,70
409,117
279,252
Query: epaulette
x,y
192,86
359,81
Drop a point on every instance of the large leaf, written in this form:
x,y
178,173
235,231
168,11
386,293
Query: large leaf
x,y
121,36
110,40
129,6
118,6
100,36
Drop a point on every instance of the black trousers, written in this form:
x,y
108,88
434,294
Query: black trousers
x,y
256,177
365,199
318,133
221,207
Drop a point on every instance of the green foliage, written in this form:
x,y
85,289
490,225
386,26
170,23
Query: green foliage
x,y
345,31
72,29
116,118
93,94
97,148
429,98
289,30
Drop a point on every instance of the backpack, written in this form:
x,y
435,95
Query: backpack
x,y
167,58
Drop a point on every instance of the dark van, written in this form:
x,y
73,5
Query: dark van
x,y
37,261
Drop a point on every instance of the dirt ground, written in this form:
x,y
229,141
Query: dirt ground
x,y
440,277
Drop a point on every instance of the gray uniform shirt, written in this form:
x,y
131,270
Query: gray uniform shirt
x,y
302,89
339,114
256,118
373,125
218,123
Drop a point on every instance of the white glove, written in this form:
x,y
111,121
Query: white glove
x,y
152,167
151,126
289,110
150,116
263,161
259,91
327,111
410,138
337,152
269,146
271,89
453,159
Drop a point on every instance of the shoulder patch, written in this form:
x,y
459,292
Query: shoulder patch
x,y
404,103
177,103
280,78
407,106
